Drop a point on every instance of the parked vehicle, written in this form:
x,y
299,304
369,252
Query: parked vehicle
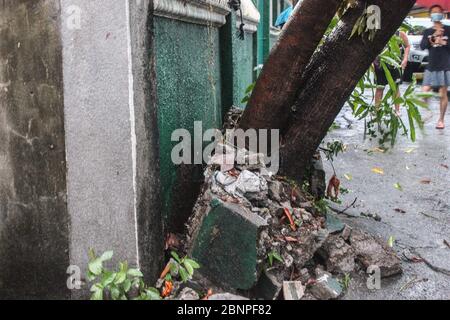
x,y
418,58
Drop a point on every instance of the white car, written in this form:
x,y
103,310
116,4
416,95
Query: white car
x,y
418,58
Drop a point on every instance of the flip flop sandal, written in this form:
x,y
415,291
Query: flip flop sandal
x,y
440,126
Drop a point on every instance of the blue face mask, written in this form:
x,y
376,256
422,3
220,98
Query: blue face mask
x,y
436,17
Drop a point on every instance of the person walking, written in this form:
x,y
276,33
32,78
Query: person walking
x,y
437,74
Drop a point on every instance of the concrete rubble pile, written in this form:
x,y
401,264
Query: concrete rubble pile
x,y
262,237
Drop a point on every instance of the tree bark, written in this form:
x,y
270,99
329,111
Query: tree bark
x,y
278,84
330,78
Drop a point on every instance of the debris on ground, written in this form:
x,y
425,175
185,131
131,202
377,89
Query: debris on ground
x,y
293,290
371,251
262,236
188,294
326,287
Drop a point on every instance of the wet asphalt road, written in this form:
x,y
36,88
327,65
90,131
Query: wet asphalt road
x,y
425,223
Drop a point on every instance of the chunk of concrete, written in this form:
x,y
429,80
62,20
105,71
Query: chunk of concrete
x,y
338,255
373,252
334,224
275,190
268,286
293,290
326,287
226,245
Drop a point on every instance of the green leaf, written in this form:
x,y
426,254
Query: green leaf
x,y
274,255
135,273
108,278
152,294
95,266
250,88
127,285
193,263
391,241
97,295
120,277
115,293
106,256
176,256
183,274
96,287
189,268
412,128
388,74
90,276
91,254
277,256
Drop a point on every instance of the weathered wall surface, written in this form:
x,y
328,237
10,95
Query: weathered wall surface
x,y
238,57
34,225
111,133
148,191
189,89
88,104
202,69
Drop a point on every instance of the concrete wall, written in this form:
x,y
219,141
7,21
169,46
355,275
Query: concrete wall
x,y
79,141
87,109
34,224
111,133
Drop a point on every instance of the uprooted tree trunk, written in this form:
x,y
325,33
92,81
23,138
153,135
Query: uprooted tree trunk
x,y
326,83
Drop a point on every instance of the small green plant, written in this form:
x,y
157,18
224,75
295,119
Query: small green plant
x,y
345,282
183,267
274,255
321,206
332,149
123,284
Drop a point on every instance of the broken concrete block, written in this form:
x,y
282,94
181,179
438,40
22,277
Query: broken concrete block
x,y
338,255
333,224
188,294
307,247
326,287
226,296
275,190
268,286
346,233
373,252
304,275
226,245
293,290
